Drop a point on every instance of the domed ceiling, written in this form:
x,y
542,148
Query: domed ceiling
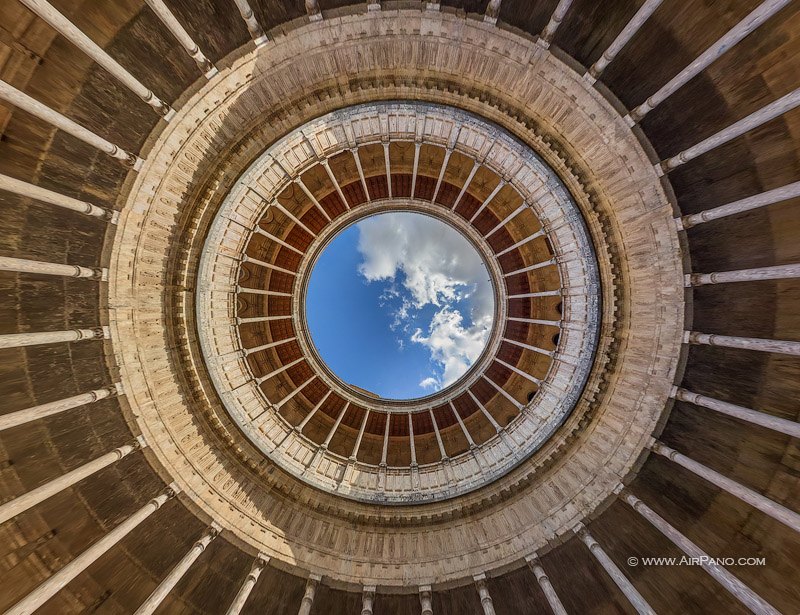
x,y
172,438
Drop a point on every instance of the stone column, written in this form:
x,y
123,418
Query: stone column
x,y
415,167
447,153
538,321
412,443
555,20
314,410
755,499
16,340
249,583
475,166
504,393
253,27
278,240
500,185
763,12
360,437
505,221
54,198
308,596
492,11
776,272
176,574
737,589
626,587
19,99
48,588
297,220
314,200
182,36
425,600
240,321
279,370
541,293
483,593
535,349
261,291
260,263
388,163
248,351
336,424
624,37
442,451
754,120
67,29
385,449
790,428
517,370
523,241
34,413
367,599
485,412
21,503
461,424
547,588
294,392
335,182
745,343
23,265
784,193
354,151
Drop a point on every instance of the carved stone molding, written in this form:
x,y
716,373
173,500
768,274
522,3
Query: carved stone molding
x,y
271,91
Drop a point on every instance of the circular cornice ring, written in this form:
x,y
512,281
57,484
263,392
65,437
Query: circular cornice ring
x,y
241,391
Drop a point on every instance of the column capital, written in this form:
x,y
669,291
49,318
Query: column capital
x,y
631,499
425,599
536,567
367,598
580,530
492,12
262,559
533,558
172,490
663,449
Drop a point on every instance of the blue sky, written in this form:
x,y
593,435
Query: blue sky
x,y
399,304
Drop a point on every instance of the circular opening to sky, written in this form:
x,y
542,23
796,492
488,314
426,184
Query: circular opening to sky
x,y
399,305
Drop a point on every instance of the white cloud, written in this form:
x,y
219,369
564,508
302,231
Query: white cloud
x,y
439,267
452,345
429,383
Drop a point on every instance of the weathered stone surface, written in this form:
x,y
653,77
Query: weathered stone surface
x,y
759,69
627,193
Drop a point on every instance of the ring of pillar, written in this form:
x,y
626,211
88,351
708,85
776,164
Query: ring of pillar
x,y
425,205
222,129
502,198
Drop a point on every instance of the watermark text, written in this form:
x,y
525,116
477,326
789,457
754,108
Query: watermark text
x,y
704,560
